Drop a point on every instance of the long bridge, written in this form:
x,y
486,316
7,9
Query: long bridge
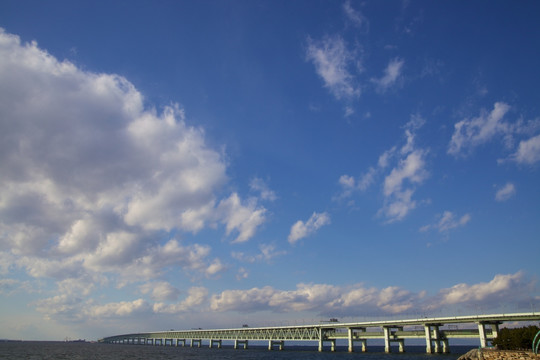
x,y
436,331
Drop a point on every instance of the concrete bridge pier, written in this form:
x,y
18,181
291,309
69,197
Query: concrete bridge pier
x,y
195,342
279,343
352,340
217,342
240,343
183,341
427,329
389,336
332,344
483,333
435,343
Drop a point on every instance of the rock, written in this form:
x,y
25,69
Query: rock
x,y
471,355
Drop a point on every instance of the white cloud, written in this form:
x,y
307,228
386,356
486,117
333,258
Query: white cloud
x,y
411,168
6,285
322,298
331,59
528,151
398,205
398,186
303,229
160,291
196,297
448,221
391,75
355,17
510,287
215,267
357,299
400,183
91,179
120,309
506,192
242,217
469,133
258,184
242,274
267,253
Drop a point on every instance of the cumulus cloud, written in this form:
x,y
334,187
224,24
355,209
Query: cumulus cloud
x,y
512,288
469,133
505,193
354,300
407,166
267,253
259,185
528,151
323,298
196,296
160,291
120,309
332,59
409,171
303,229
243,217
391,75
98,188
448,221
356,18
72,308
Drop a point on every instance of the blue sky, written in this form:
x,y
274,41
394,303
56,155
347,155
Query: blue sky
x,y
181,164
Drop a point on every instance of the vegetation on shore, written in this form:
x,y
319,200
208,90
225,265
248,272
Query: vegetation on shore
x,y
516,339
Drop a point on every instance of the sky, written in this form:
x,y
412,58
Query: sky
x,y
186,164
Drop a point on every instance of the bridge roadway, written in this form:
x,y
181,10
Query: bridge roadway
x,y
392,331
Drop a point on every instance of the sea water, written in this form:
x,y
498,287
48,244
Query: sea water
x,y
30,350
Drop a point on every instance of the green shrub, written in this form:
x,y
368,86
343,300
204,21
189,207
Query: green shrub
x,y
515,339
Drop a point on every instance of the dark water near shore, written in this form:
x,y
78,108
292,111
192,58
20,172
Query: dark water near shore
x,y
29,350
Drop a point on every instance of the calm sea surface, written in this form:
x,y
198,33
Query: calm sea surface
x,y
30,350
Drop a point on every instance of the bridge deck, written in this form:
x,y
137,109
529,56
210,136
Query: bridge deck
x,y
432,329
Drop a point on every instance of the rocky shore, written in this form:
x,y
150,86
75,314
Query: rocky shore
x,y
492,354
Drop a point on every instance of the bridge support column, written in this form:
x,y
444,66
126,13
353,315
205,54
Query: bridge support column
x,y
364,345
196,341
434,340
181,340
437,339
240,342
272,343
212,342
401,345
445,347
387,348
390,336
352,339
494,330
482,334
322,340
427,329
